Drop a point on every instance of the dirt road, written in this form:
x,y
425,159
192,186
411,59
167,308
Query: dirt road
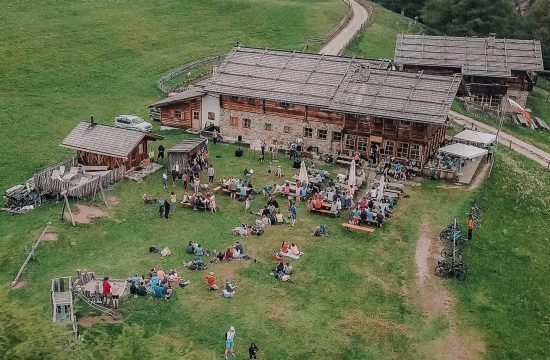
x,y
530,151
338,43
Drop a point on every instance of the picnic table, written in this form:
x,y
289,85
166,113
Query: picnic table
x,y
323,211
358,227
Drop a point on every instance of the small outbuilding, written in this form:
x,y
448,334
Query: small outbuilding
x,y
105,145
475,138
183,152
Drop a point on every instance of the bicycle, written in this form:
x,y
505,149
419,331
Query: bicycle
x,y
455,269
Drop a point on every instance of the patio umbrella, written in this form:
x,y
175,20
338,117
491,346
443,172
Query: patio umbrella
x,y
351,178
302,176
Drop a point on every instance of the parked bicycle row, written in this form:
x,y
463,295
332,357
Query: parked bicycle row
x,y
455,240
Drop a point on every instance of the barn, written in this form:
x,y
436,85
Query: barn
x,y
327,103
492,68
105,145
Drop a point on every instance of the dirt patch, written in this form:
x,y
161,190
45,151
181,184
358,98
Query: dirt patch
x,y
50,235
117,319
479,177
88,321
85,214
20,284
113,200
356,324
276,312
436,300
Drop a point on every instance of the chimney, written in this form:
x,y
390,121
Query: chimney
x,y
92,122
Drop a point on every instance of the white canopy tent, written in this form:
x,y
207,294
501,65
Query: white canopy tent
x,y
463,151
477,138
302,176
351,178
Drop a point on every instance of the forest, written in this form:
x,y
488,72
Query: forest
x,y
506,18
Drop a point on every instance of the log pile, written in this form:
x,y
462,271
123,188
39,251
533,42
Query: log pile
x,y
22,195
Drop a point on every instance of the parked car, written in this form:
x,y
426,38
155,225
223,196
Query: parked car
x,y
133,122
154,114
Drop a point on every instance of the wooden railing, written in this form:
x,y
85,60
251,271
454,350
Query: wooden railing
x,y
328,36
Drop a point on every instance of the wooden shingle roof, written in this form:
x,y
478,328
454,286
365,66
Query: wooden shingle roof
x,y
186,146
105,139
472,56
335,83
187,94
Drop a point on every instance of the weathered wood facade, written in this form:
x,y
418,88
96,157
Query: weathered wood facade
x,y
104,145
492,68
182,110
183,153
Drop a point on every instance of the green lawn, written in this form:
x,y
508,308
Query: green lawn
x,y
354,296
540,139
65,60
378,39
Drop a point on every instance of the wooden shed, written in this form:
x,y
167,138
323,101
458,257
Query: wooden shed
x,y
105,145
184,152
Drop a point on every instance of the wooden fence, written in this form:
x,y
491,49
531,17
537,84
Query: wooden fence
x,y
333,31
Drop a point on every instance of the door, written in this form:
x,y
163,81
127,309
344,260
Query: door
x,y
195,119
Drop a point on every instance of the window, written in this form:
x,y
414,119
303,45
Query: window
x,y
336,136
362,143
251,101
322,134
286,129
308,132
267,126
234,98
388,148
402,150
416,152
211,116
350,142
285,104
234,121
196,115
177,114
246,123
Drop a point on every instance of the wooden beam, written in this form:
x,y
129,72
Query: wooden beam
x,y
68,208
31,254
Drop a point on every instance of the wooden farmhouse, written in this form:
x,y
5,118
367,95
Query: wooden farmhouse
x,y
104,145
331,103
184,152
492,68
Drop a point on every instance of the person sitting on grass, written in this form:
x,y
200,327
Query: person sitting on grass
x,y
284,247
228,254
141,289
210,280
286,189
167,291
239,248
279,217
266,221
294,249
157,291
288,269
380,219
229,290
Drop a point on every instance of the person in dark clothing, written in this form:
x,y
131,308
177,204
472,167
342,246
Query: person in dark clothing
x,y
141,290
273,201
166,209
265,211
161,153
253,351
379,218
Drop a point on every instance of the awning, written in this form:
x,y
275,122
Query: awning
x,y
463,151
475,137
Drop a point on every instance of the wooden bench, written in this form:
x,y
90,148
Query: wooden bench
x,y
323,211
357,227
217,188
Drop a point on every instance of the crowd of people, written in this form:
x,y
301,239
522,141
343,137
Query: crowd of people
x,y
158,283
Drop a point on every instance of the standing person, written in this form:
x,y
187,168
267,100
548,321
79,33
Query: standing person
x,y
161,208
115,295
166,209
106,290
490,151
174,174
247,204
161,153
263,151
470,226
152,155
173,201
213,206
215,136
185,181
210,174
293,214
269,170
165,181
253,350
196,183
230,342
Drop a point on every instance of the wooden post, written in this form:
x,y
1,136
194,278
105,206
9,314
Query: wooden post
x,y
103,194
31,254
68,208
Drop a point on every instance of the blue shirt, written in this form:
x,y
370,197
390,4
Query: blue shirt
x,y
158,291
293,210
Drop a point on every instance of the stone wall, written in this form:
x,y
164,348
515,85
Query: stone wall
x,y
283,130
519,96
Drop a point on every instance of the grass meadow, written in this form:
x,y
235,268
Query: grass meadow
x,y
354,296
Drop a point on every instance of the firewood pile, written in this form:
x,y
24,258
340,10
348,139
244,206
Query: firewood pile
x,y
22,197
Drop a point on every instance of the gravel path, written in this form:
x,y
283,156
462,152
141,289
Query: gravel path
x,y
344,36
530,151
